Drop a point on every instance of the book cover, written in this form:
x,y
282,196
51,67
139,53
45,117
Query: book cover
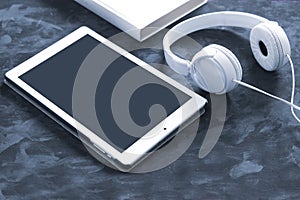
x,y
141,18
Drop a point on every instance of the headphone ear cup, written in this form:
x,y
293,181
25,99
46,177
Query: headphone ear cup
x,y
270,45
214,68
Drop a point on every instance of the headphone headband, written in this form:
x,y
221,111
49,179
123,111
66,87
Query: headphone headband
x,y
206,21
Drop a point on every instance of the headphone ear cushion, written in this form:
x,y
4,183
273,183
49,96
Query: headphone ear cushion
x,y
214,68
270,45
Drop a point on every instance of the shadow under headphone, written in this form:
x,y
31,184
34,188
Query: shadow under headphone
x,y
215,69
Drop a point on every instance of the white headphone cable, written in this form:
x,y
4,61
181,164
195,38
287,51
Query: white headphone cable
x,y
293,87
291,103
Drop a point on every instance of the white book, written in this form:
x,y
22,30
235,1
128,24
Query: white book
x,y
141,18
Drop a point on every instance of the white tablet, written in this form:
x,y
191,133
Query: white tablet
x,y
118,105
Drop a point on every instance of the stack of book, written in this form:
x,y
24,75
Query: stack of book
x,y
141,18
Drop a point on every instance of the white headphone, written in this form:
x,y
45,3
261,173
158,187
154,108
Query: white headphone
x,y
215,68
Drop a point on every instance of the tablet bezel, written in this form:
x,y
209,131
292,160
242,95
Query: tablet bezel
x,y
141,147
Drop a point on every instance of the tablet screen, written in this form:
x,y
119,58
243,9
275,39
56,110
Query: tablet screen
x,y
124,114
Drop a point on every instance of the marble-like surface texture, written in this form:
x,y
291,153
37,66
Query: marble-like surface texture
x,y
257,156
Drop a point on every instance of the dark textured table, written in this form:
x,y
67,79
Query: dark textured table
x,y
257,156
